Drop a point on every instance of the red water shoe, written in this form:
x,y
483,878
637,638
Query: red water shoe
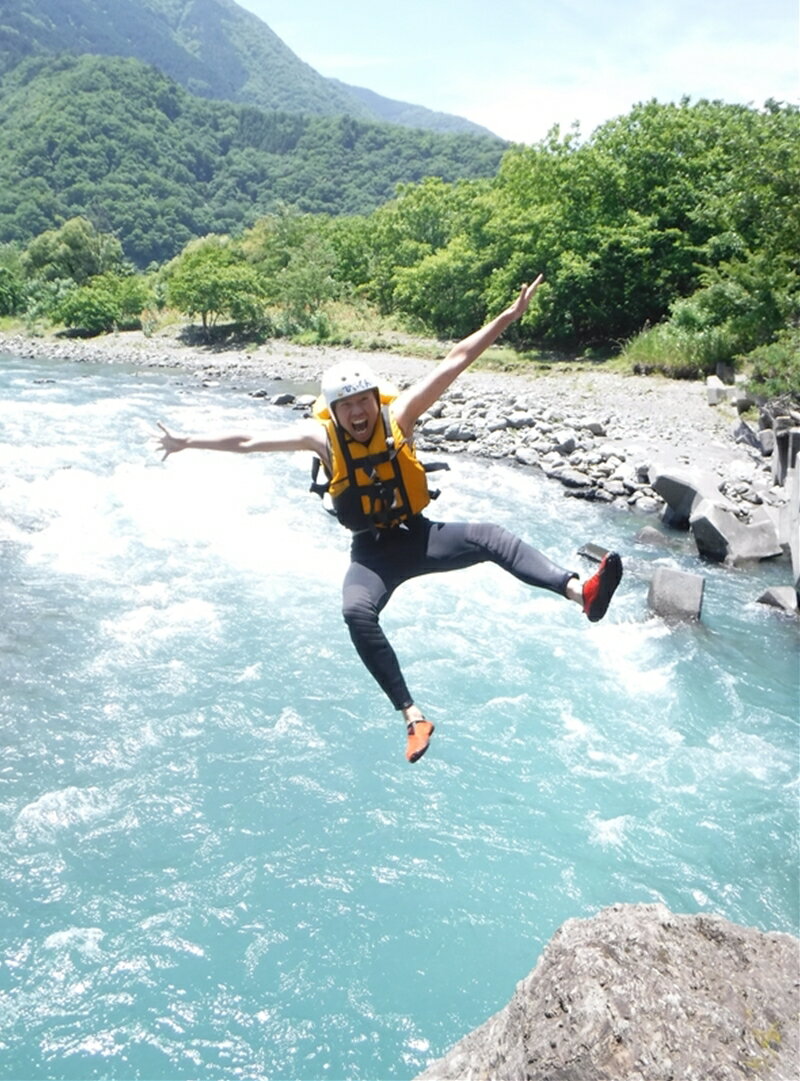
x,y
599,589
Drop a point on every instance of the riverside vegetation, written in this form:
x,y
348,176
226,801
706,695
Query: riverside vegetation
x,y
669,236
191,162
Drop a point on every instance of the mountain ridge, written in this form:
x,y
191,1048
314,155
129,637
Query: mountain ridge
x,y
115,140
213,48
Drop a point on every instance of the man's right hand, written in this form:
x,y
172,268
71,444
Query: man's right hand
x,y
169,443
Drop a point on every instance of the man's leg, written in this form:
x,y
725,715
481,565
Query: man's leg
x,y
462,544
364,595
452,545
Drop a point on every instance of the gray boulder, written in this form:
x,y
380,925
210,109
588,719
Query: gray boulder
x,y
526,456
459,433
436,426
521,419
574,478
645,503
638,994
743,433
676,595
565,441
596,427
653,537
720,535
284,398
593,552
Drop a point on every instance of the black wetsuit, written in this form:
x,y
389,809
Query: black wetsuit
x,y
381,563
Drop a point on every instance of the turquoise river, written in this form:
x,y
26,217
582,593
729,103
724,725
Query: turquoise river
x,y
215,861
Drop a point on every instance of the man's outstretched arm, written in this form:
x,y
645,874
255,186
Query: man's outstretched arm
x,y
301,436
413,402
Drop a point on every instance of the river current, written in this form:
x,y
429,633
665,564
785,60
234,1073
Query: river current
x,y
215,861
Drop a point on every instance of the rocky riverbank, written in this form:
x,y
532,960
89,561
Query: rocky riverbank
x,y
604,436
640,415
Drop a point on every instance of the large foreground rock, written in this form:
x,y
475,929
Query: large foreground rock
x,y
639,994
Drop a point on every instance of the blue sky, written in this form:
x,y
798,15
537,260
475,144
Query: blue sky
x,y
520,66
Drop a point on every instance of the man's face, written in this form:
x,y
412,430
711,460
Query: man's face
x,y
358,415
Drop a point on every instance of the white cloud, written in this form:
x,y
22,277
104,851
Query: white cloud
x,y
523,107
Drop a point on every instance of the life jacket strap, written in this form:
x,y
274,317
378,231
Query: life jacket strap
x,y
432,467
315,486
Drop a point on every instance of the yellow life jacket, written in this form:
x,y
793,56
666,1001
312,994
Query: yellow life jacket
x,y
374,485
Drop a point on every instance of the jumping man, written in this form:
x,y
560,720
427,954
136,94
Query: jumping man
x,y
378,489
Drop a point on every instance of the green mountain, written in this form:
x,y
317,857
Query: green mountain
x,y
213,48
120,143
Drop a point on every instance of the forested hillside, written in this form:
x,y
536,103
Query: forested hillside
x,y
214,48
671,234
125,146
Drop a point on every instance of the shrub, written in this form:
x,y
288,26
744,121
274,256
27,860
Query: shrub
x,y
90,308
10,292
105,302
774,369
678,351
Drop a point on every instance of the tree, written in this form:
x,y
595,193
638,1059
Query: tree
x,y
76,251
351,240
106,302
10,292
443,291
307,280
270,244
92,308
11,280
210,279
420,221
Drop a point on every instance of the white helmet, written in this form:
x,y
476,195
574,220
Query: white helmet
x,y
343,380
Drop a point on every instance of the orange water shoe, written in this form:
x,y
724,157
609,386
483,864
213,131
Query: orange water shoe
x,y
419,738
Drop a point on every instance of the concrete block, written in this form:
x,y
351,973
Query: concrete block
x,y
716,391
782,597
787,448
793,521
720,535
682,489
676,595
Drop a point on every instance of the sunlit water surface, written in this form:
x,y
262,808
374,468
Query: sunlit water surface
x,y
216,862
